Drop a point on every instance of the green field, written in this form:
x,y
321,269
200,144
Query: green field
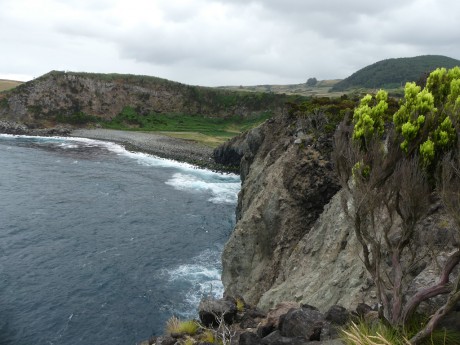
x,y
321,89
206,130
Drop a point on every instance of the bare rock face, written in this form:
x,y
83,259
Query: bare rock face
x,y
293,241
285,187
105,96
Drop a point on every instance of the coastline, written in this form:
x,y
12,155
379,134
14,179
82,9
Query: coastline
x,y
158,145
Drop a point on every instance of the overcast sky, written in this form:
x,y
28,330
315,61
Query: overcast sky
x,y
221,42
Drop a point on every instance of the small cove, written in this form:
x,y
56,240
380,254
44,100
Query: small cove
x,y
101,245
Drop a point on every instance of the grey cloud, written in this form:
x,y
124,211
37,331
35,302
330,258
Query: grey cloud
x,y
214,42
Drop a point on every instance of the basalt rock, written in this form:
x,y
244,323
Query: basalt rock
x,y
293,241
306,322
285,187
213,311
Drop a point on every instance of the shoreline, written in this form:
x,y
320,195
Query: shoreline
x,y
158,145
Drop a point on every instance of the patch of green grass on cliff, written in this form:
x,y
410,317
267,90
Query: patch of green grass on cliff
x,y
210,131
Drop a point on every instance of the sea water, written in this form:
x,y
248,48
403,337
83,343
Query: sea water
x,y
99,245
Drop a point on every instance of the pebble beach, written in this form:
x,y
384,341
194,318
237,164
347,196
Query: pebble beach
x,y
155,144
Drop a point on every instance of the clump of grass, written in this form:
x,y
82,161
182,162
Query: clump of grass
x,y
208,337
188,341
362,333
240,305
176,326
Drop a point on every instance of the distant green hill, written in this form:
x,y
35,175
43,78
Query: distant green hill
x,y
393,73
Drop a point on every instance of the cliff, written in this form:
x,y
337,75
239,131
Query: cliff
x,y
292,240
59,94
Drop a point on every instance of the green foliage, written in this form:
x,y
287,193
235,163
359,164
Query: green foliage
x,y
368,117
361,170
215,126
424,119
332,109
393,73
427,152
77,118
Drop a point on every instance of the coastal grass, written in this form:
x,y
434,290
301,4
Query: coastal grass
x,y
176,326
207,140
376,333
210,131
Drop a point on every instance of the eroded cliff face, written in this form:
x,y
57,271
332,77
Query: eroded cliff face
x,y
292,240
104,96
285,186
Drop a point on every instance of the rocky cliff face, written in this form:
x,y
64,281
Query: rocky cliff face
x,y
285,186
292,241
104,96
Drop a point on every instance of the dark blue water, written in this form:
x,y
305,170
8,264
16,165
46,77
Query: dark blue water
x,y
101,246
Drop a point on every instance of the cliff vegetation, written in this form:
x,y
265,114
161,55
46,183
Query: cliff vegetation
x,y
376,222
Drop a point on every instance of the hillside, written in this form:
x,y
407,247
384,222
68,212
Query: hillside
x,y
138,103
8,84
393,73
321,89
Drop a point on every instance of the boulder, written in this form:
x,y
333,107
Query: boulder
x,y
305,322
337,315
275,338
271,322
213,311
249,338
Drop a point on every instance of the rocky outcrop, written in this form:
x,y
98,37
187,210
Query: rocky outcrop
x,y
105,95
285,187
290,324
9,127
292,240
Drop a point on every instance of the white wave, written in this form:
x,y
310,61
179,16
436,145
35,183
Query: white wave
x,y
202,275
69,146
223,190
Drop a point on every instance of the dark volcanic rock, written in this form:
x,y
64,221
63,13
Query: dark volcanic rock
x,y
212,311
276,338
9,127
285,187
305,322
249,338
337,315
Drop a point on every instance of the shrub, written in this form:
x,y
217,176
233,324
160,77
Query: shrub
x,y
388,173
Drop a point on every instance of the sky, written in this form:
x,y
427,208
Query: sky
x,y
221,42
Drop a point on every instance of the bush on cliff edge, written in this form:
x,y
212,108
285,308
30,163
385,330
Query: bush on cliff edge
x,y
389,170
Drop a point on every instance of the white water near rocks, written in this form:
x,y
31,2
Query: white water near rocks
x,y
99,245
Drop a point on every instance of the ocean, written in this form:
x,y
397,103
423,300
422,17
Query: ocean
x,y
99,245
